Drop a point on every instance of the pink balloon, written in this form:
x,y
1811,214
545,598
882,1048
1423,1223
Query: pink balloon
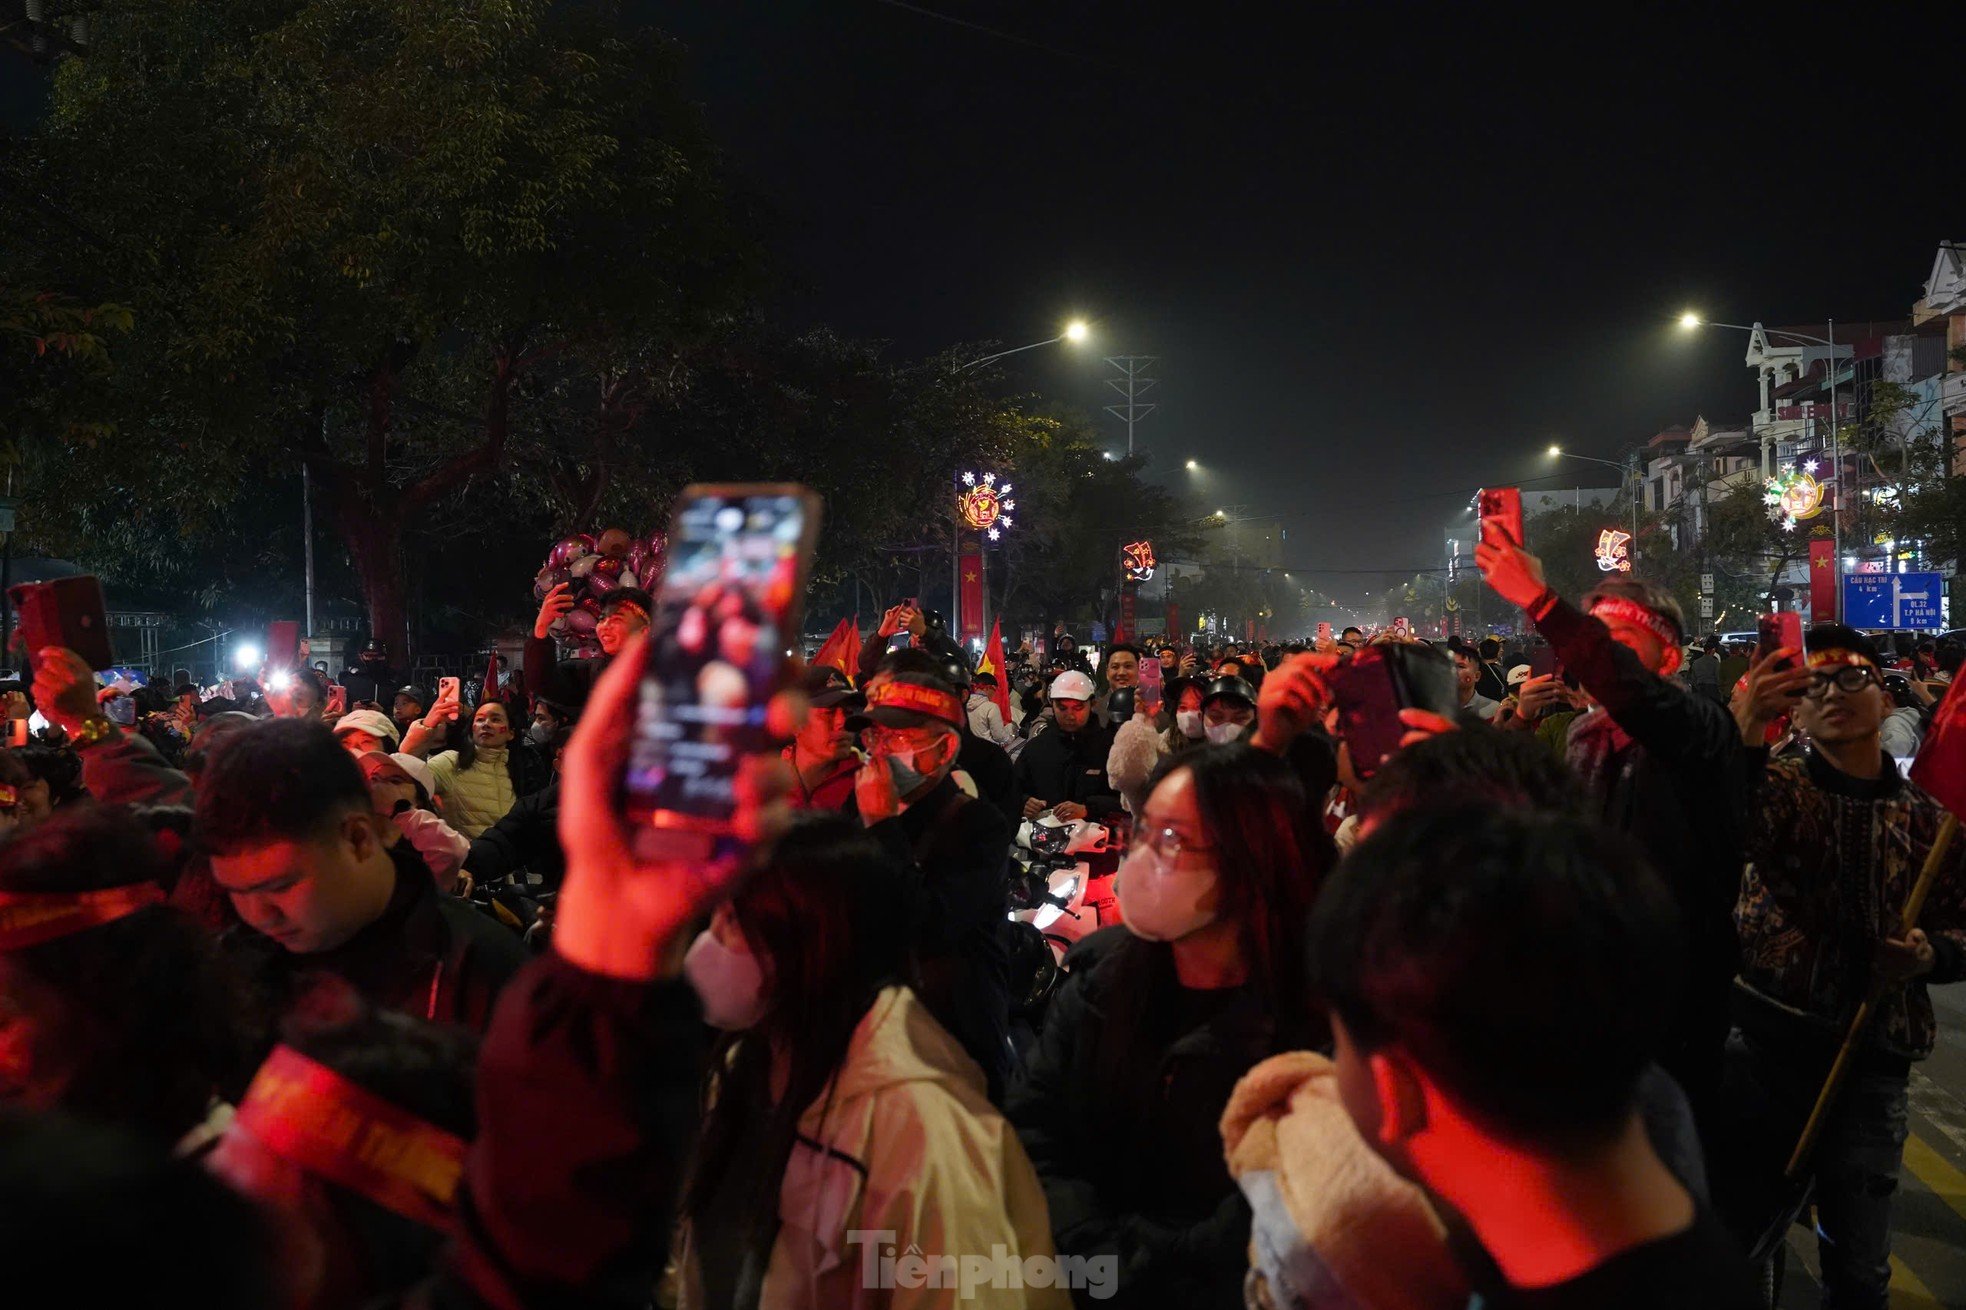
x,y
581,621
567,548
638,555
600,582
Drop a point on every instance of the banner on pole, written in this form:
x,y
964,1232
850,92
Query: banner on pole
x,y
970,623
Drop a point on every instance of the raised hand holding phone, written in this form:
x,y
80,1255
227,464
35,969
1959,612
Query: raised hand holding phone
x,y
1510,571
618,915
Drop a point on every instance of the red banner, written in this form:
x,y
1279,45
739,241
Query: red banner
x,y
1174,632
1822,581
970,622
1129,595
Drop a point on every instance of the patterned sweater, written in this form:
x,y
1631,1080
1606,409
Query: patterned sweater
x,y
1831,860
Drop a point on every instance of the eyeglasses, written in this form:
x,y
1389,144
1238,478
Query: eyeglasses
x,y
1164,842
1851,678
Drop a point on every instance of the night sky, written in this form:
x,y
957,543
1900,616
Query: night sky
x,y
1383,257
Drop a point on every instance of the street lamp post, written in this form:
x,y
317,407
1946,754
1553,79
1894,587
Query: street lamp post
x,y
1075,332
1691,320
1624,471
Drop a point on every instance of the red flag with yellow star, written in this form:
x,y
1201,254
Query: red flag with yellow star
x,y
992,663
1822,581
842,649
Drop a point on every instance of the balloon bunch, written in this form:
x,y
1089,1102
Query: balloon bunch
x,y
596,565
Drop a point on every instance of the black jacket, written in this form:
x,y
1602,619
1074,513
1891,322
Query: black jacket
x,y
1143,1179
587,1108
988,764
564,682
526,839
1057,766
957,850
1666,766
428,955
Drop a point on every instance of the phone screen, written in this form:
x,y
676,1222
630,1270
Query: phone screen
x,y
1543,662
1324,632
1504,503
1150,684
727,610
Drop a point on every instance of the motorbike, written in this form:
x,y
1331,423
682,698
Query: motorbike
x,y
1061,890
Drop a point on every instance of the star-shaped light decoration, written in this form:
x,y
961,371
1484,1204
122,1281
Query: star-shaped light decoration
x,y
1812,466
990,478
969,479
1005,489
995,535
1010,504
1005,520
1773,498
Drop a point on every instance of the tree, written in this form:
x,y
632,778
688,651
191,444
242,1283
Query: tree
x,y
369,234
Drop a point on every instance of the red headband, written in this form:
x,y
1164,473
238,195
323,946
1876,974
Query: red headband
x,y
1836,655
1634,613
917,699
310,1116
30,918
640,613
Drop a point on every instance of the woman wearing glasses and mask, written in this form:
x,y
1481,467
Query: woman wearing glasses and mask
x,y
1120,1104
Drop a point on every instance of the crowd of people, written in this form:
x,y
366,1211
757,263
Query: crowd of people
x,y
347,993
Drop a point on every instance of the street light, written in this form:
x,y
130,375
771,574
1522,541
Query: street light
x,y
1075,332
1193,467
1558,452
1691,320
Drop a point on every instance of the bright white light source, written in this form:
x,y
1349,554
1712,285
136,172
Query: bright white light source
x,y
1076,330
245,656
280,680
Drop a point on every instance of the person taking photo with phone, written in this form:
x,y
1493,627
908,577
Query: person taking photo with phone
x,y
1663,765
1835,840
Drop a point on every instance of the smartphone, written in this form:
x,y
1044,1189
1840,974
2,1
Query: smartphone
x,y
1375,685
1504,503
64,612
449,689
727,610
282,644
1323,632
1150,685
1779,630
337,700
1543,662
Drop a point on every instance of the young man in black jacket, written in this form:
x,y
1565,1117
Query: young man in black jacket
x,y
1663,765
957,847
1063,768
296,845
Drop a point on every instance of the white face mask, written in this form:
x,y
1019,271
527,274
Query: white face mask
x,y
1189,722
1221,734
1160,904
731,984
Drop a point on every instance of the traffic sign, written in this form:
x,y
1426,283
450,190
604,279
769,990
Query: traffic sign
x,y
1894,600
1706,583
1706,607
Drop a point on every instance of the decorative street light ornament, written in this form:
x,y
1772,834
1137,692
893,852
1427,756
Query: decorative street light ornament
x,y
983,507
1614,551
1793,496
1138,561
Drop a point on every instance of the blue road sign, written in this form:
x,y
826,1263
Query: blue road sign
x,y
1894,600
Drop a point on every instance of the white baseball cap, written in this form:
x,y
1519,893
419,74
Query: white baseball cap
x,y
1071,685
374,722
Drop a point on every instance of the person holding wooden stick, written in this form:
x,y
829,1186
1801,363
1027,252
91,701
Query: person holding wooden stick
x,y
1836,841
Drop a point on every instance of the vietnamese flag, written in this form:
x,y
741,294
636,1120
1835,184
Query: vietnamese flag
x,y
1941,764
842,649
992,663
1822,581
